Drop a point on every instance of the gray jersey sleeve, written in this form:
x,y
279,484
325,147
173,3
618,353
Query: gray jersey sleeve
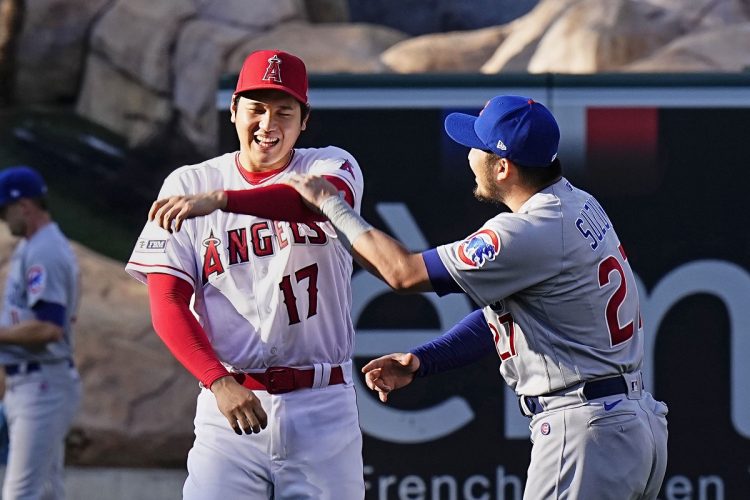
x,y
47,274
511,252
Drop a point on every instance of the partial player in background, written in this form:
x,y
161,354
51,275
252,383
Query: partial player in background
x,y
42,387
560,301
269,335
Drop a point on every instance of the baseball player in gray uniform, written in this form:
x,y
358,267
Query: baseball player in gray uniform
x,y
560,308
42,387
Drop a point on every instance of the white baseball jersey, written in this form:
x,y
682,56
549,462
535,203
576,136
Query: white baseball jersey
x,y
559,295
267,293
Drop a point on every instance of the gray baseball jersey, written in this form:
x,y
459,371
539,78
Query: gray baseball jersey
x,y
559,294
42,268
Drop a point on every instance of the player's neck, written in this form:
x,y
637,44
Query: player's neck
x,y
517,196
37,222
520,194
246,163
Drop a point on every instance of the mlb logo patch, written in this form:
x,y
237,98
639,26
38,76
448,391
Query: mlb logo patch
x,y
479,248
35,280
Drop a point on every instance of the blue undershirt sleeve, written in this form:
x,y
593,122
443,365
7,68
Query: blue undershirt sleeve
x,y
441,280
468,341
50,311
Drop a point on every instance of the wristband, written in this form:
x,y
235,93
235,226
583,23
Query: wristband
x,y
348,223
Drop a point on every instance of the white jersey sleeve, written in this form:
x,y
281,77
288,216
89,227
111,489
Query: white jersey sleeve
x,y
158,251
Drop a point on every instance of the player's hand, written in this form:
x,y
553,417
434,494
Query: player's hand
x,y
314,189
178,208
239,405
390,372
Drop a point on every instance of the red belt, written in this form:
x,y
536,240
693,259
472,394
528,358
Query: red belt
x,y
281,379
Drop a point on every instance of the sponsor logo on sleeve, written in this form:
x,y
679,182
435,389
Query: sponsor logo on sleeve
x,y
479,248
36,278
150,246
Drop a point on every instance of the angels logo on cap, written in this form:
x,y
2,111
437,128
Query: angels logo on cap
x,y
263,70
273,71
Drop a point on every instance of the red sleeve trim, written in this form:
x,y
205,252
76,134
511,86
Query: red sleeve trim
x,y
140,264
343,187
274,202
175,324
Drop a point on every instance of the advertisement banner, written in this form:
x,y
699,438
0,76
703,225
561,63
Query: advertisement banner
x,y
673,181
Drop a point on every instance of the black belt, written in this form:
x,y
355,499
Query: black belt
x,y
591,390
30,367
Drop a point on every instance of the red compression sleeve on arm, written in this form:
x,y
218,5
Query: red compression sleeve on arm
x,y
280,202
175,324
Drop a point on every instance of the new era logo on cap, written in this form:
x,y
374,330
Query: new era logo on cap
x,y
513,127
274,69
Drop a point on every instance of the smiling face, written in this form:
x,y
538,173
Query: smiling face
x,y
268,123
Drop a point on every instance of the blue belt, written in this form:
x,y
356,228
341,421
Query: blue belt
x,y
29,367
591,390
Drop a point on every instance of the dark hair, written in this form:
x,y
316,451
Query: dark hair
x,y
537,177
304,108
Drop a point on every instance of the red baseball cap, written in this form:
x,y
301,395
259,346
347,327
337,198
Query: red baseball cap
x,y
274,69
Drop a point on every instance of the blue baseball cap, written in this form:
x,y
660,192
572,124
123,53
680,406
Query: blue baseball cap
x,y
510,126
20,182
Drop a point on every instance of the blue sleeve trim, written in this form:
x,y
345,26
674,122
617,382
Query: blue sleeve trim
x,y
50,311
441,280
468,341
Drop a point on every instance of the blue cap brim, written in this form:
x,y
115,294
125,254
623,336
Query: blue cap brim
x,y
460,128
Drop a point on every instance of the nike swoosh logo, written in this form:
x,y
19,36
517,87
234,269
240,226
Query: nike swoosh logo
x,y
609,406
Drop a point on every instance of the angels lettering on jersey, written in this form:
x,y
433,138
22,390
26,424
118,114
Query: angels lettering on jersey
x,y
264,239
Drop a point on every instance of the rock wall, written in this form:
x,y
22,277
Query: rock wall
x,y
149,69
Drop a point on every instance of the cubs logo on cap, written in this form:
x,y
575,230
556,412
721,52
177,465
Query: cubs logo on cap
x,y
479,248
274,69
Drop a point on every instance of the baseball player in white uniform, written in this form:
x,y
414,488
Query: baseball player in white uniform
x,y
257,304
560,308
42,387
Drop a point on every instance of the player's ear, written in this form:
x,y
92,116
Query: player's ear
x,y
305,116
233,107
502,168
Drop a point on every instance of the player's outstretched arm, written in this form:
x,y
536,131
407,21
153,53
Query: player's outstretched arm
x,y
390,372
176,209
380,254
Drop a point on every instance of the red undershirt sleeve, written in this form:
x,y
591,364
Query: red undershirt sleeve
x,y
280,202
175,324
